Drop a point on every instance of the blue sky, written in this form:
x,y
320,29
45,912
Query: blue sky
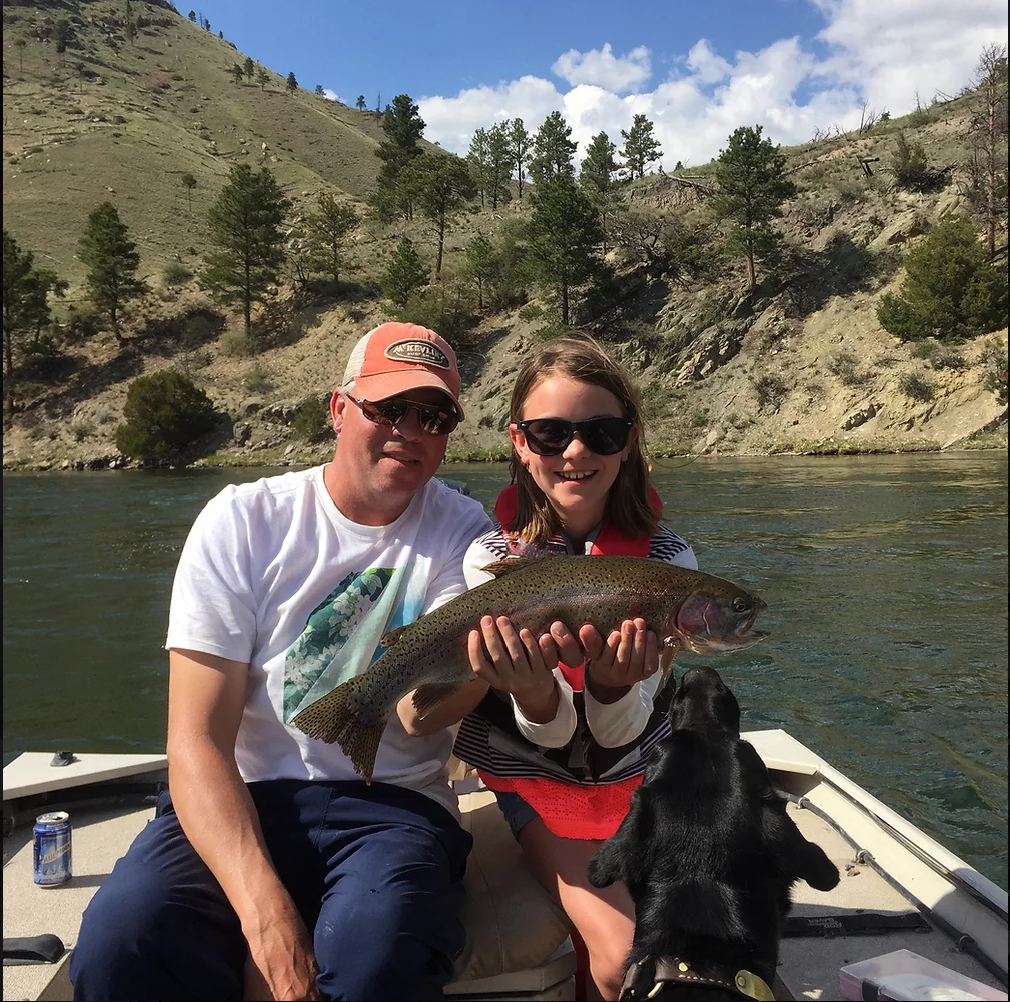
x,y
697,70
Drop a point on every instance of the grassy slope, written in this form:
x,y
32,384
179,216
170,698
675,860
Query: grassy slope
x,y
180,113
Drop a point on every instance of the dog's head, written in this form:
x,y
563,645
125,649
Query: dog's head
x,y
707,850
703,702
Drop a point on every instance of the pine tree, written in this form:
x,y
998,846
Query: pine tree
x,y
752,188
640,146
189,183
520,146
319,92
249,67
406,273
563,234
499,158
950,291
440,185
328,226
262,77
63,36
237,73
291,83
480,264
26,303
599,166
477,158
597,179
403,128
245,230
989,132
111,258
553,150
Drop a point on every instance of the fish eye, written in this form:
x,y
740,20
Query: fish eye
x,y
740,604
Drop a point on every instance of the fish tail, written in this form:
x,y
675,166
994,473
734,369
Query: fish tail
x,y
335,718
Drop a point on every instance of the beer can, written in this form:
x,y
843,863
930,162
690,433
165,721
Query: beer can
x,y
52,849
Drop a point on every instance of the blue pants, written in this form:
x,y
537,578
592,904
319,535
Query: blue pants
x,y
376,871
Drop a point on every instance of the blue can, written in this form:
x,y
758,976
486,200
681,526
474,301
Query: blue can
x,y
52,849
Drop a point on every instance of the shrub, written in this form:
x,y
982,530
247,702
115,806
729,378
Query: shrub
x,y
927,349
994,362
950,291
405,275
175,273
311,419
770,389
447,308
257,380
165,413
908,162
843,365
916,387
236,344
950,359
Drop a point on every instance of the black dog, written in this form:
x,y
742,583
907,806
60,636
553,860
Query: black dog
x,y
709,855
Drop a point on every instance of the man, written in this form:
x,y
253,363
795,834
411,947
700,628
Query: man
x,y
273,871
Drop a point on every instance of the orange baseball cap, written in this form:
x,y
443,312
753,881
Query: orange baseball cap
x,y
396,357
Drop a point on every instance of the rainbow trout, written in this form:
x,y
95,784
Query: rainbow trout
x,y
685,608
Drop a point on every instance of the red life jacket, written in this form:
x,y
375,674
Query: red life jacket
x,y
573,810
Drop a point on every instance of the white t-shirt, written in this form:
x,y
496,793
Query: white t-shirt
x,y
272,574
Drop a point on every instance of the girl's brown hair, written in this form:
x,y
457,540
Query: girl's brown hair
x,y
628,509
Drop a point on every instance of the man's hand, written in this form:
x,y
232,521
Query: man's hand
x,y
281,965
629,655
517,663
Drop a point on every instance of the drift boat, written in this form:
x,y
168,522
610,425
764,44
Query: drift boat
x,y
908,919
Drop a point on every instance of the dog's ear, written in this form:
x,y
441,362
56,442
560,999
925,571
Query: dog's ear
x,y
800,859
626,855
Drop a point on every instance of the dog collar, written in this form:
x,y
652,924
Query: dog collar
x,y
673,969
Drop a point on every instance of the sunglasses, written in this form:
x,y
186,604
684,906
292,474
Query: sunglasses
x,y
434,420
602,435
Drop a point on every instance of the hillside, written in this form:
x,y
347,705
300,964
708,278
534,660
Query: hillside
x,y
804,367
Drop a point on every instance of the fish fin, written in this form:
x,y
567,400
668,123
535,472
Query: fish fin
x,y
388,639
512,564
426,697
333,718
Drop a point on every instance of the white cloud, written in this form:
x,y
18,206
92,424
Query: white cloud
x,y
881,51
330,95
601,68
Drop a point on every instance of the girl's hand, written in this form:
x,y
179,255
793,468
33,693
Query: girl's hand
x,y
629,655
517,663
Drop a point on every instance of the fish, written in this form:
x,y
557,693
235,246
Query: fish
x,y
687,609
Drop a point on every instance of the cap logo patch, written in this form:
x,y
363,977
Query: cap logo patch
x,y
423,352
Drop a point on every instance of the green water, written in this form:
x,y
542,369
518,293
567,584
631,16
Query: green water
x,y
885,577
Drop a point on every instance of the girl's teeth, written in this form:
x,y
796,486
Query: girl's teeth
x,y
574,476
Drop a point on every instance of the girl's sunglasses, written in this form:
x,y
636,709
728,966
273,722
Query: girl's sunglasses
x,y
390,412
551,436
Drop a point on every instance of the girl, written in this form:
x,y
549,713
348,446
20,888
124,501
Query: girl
x,y
563,744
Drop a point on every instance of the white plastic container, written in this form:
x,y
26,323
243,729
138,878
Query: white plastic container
x,y
907,977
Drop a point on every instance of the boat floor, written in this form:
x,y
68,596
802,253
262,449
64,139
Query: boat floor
x,y
809,966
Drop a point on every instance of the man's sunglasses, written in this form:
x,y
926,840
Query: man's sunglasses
x,y
602,435
434,420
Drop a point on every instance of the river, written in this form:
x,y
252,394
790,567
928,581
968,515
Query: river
x,y
885,577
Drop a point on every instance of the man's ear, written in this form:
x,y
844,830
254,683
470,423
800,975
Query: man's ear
x,y
338,407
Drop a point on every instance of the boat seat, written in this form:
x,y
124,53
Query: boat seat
x,y
517,935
